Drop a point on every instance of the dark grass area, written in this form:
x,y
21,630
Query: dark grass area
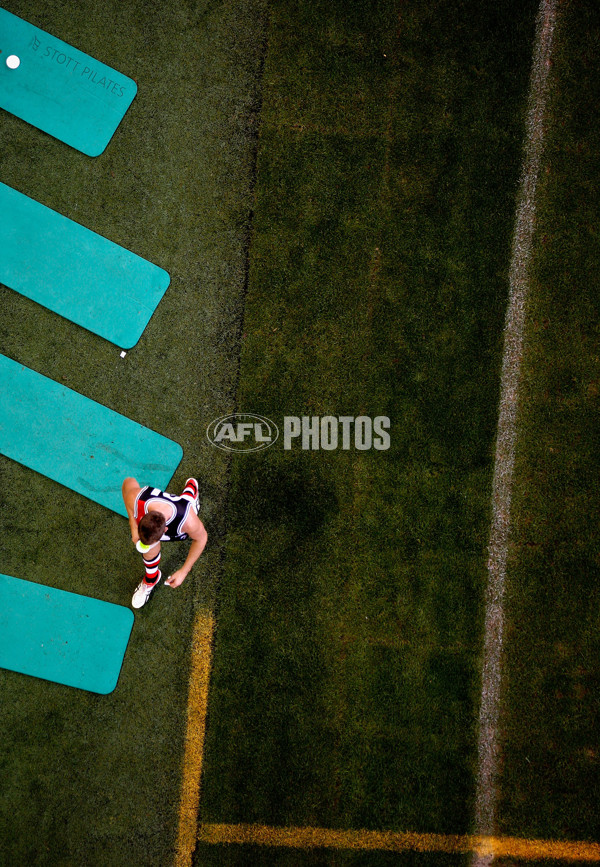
x,y
551,771
224,856
90,779
346,675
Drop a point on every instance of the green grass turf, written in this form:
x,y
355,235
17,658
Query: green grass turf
x,y
346,673
89,779
228,856
551,779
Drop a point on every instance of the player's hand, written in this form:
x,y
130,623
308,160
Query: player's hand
x,y
176,578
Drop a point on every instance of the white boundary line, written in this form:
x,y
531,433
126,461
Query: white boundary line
x,y
485,810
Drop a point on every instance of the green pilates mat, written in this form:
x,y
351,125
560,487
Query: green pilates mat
x,y
77,442
58,88
61,636
75,272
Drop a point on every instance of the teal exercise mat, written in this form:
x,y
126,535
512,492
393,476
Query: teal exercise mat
x,y
58,88
77,442
75,272
60,636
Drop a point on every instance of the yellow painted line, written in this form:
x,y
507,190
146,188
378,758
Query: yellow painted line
x,y
391,841
194,739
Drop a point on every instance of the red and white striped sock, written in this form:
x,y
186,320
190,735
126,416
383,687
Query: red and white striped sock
x,y
152,570
191,490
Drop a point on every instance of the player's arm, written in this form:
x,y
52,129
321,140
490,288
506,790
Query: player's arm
x,y
195,530
130,490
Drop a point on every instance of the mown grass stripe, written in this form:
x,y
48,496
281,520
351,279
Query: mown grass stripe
x,y
485,818
334,558
393,841
194,739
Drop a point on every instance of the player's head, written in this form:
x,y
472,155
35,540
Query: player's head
x,y
151,527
